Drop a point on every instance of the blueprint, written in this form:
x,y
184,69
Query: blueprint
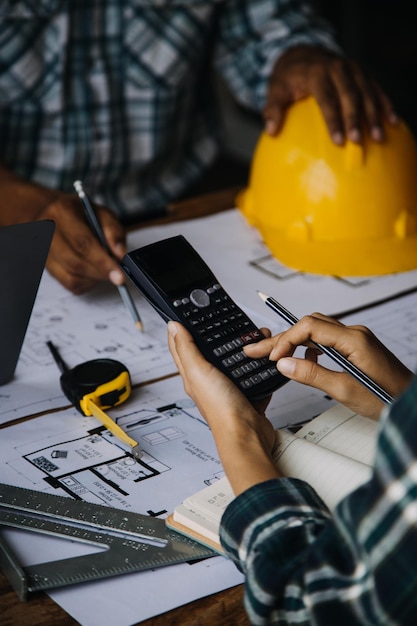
x,y
98,325
66,453
85,327
235,252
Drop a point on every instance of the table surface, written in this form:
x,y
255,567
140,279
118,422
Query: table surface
x,y
225,607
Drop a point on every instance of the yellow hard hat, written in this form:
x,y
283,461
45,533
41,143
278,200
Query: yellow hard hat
x,y
327,209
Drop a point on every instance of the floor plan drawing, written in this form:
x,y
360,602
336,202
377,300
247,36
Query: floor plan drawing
x,y
65,453
76,456
94,325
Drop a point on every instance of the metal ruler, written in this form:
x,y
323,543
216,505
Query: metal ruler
x,y
132,542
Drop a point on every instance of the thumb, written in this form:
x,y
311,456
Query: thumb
x,y
182,346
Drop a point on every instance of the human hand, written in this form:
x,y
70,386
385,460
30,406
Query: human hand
x,y
349,99
357,343
76,257
244,436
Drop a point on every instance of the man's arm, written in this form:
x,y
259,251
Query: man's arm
x,y
275,53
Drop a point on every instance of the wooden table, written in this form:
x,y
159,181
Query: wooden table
x,y
224,608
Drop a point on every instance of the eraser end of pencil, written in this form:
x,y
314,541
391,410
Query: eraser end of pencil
x,y
78,186
139,326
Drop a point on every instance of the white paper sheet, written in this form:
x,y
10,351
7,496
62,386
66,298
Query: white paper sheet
x,y
235,252
180,458
64,453
97,324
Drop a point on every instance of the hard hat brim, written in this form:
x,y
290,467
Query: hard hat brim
x,y
365,258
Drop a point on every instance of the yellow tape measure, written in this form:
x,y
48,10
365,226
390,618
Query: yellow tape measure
x,y
94,386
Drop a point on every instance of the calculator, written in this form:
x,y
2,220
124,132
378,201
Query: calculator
x,y
180,286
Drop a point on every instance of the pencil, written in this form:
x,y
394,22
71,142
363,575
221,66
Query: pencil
x,y
63,367
98,231
338,358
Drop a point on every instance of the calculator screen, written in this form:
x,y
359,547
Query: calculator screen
x,y
173,265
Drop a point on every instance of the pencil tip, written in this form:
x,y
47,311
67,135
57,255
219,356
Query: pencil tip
x,y
262,296
139,326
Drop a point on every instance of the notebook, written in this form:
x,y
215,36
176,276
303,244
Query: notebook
x,y
23,252
334,453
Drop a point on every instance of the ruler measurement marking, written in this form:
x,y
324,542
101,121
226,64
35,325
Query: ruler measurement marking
x,y
132,542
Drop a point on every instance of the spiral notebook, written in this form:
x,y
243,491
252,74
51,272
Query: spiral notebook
x,y
23,252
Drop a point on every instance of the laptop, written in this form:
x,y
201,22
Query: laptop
x,y
23,252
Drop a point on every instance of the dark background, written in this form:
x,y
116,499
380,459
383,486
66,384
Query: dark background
x,y
382,36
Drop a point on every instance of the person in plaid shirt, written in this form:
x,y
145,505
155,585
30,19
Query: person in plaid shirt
x,y
118,93
303,564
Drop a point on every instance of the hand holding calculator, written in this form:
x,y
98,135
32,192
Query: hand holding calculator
x,y
181,287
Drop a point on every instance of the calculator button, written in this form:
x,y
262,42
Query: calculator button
x,y
228,362
239,356
265,374
200,298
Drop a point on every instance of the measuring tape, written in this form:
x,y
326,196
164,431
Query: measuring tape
x,y
134,542
94,386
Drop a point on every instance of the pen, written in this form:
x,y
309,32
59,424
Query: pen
x,y
338,358
98,231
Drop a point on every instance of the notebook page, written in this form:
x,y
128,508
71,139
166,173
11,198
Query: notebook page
x,y
343,431
332,475
211,501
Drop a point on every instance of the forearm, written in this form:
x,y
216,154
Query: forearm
x,y
244,455
254,34
22,200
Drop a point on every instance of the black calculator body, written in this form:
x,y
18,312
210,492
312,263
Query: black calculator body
x,y
180,286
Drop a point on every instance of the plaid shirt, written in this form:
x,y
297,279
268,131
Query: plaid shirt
x,y
359,566
118,92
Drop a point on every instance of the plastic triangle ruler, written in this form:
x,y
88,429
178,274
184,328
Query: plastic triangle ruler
x,y
131,542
